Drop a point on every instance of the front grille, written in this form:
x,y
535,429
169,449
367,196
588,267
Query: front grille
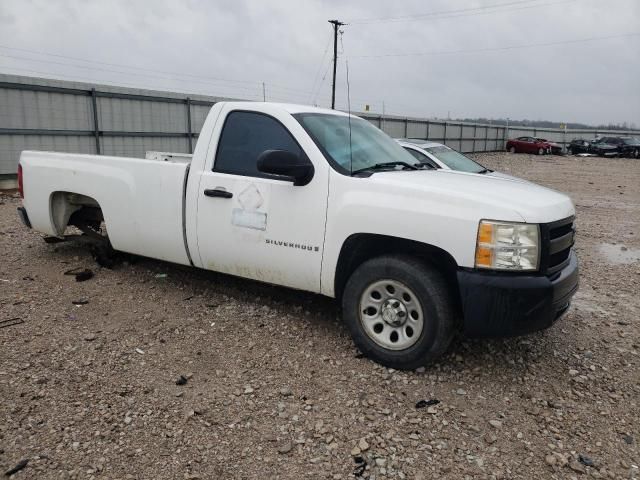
x,y
557,240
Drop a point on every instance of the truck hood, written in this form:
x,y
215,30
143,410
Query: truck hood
x,y
528,201
490,174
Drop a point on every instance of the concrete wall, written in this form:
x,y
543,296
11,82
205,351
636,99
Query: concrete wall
x,y
55,115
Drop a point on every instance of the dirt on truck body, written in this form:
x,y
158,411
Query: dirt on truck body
x,y
152,370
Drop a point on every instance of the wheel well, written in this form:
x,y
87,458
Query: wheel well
x,y
360,247
68,208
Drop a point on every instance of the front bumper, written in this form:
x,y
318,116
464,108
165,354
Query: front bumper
x,y
607,153
505,305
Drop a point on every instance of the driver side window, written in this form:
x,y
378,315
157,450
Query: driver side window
x,y
245,135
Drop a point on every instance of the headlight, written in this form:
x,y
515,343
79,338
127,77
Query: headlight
x,y
508,246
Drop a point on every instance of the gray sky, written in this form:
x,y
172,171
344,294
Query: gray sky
x,y
230,47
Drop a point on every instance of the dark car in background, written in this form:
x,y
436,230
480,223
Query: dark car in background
x,y
625,146
604,149
579,145
593,147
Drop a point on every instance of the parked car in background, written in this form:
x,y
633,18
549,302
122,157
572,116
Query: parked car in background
x,y
626,146
554,148
529,145
579,145
439,156
604,149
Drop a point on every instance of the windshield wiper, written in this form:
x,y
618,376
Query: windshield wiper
x,y
379,166
485,170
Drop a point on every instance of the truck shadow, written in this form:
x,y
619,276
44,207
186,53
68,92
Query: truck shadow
x,y
182,283
509,354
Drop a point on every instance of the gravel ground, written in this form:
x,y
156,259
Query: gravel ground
x,y
272,386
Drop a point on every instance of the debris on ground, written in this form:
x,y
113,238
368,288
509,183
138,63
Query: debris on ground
x,y
427,403
361,466
80,301
586,461
182,380
19,466
81,274
11,322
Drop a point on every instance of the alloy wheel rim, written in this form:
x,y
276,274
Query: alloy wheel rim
x,y
391,314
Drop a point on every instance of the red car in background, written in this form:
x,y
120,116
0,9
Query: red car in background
x,y
535,145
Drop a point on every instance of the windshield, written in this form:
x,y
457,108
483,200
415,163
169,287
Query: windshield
x,y
455,160
369,145
631,141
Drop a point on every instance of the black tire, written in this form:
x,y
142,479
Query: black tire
x,y
433,295
636,153
541,151
512,149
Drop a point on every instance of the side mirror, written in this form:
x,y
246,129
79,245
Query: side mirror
x,y
286,164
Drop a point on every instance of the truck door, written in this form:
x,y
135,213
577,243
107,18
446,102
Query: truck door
x,y
251,224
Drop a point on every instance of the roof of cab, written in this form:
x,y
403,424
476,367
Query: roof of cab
x,y
418,142
294,108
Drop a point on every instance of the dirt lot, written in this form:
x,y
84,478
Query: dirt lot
x,y
275,389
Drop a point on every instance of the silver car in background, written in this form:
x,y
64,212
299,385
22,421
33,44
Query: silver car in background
x,y
440,156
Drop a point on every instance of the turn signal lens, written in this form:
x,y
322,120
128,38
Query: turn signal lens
x,y
484,257
485,233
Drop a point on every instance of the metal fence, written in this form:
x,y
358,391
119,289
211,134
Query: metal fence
x,y
40,114
54,115
479,137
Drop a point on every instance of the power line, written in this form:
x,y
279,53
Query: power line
x,y
256,84
317,75
317,92
119,83
496,49
90,67
461,12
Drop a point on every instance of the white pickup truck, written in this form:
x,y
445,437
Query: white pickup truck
x,y
322,201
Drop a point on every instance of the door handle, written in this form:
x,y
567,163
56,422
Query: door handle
x,y
218,192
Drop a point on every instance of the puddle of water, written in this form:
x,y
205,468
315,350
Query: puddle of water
x,y
619,254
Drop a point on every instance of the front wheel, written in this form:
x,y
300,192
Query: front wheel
x,y
512,149
400,312
541,151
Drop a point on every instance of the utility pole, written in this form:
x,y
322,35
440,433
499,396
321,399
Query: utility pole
x,y
264,93
336,24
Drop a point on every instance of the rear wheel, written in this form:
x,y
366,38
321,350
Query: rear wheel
x,y
512,149
541,151
636,153
399,311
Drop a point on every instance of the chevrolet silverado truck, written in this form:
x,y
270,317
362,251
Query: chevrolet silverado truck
x,y
322,201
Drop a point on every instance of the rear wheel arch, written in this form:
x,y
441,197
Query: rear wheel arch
x,y
360,247
69,208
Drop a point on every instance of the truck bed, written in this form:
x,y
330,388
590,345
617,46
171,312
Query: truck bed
x,y
142,201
